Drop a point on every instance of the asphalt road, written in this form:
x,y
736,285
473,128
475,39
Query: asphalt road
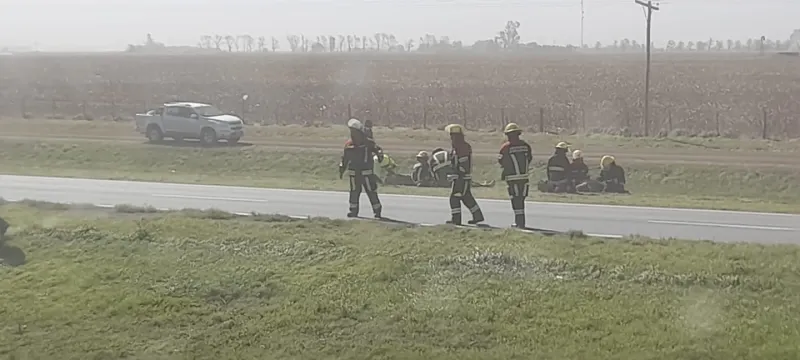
x,y
723,226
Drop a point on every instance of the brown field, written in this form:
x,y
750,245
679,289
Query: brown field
x,y
691,94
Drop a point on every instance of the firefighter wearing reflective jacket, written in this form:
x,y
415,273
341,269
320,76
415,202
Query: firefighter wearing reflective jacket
x,y
421,173
441,166
461,163
358,162
515,159
558,167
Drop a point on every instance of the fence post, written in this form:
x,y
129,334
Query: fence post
x,y
669,120
53,109
22,108
764,123
541,120
388,115
464,114
83,109
502,118
583,120
424,117
349,112
716,120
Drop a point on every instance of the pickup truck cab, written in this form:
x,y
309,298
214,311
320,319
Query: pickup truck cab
x,y
186,120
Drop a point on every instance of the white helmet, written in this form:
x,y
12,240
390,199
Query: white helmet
x,y
577,154
355,124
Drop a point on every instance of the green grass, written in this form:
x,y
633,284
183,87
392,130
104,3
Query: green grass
x,y
483,139
714,187
109,285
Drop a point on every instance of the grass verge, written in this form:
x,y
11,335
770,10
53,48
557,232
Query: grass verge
x,y
691,186
104,284
677,142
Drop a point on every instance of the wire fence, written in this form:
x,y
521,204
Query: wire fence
x,y
557,118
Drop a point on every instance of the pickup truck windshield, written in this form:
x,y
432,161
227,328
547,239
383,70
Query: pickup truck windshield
x,y
208,111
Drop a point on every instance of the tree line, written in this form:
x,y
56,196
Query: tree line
x,y
506,39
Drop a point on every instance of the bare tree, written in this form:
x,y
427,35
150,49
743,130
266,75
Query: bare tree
x,y
275,44
378,41
304,43
262,44
349,43
509,37
364,43
341,43
409,44
230,41
294,42
218,41
206,41
730,45
331,43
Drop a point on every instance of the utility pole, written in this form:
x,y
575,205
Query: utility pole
x,y
582,13
650,7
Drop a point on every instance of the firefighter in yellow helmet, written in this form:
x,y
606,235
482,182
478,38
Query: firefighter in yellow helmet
x,y
358,162
558,170
421,173
461,190
612,175
515,158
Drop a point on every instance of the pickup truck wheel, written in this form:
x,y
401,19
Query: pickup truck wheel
x,y
208,137
233,140
154,134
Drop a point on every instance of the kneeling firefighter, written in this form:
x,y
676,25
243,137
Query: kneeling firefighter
x,y
358,162
515,159
383,167
461,190
580,175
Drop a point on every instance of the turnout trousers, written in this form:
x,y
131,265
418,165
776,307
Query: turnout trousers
x,y
461,191
518,191
363,180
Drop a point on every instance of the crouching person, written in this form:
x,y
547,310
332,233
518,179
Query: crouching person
x,y
612,175
559,177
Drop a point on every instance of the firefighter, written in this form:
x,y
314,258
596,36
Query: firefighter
x,y
383,168
612,175
461,164
440,166
357,161
368,130
558,166
421,173
580,175
515,159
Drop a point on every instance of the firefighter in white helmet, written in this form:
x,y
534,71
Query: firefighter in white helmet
x,y
421,173
461,190
515,158
558,167
358,162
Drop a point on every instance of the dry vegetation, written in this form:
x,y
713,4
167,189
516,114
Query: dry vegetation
x,y
692,94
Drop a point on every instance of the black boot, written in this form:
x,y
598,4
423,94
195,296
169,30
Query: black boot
x,y
352,214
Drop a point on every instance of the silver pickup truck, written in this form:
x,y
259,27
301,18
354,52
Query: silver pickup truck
x,y
185,120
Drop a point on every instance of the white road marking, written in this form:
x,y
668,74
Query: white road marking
x,y
733,226
208,198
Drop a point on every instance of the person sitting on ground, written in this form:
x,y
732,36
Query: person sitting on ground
x,y
383,169
580,175
612,175
421,173
559,177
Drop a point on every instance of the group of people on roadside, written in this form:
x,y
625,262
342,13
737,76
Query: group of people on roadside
x,y
565,176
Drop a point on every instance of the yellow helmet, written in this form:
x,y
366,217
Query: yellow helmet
x,y
607,160
511,127
562,145
422,155
577,154
454,129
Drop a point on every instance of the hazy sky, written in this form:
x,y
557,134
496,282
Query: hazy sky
x,y
88,25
